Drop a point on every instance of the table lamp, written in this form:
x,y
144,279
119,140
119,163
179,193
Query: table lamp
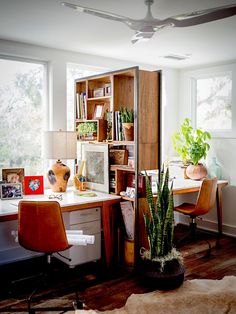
x,y
59,145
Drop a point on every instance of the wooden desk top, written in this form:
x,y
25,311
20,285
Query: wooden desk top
x,y
70,201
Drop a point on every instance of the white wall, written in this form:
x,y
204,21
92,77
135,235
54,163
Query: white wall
x,y
170,111
223,148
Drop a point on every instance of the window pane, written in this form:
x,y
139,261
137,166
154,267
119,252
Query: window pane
x,y
22,112
214,103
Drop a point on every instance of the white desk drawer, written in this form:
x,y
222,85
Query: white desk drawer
x,y
88,227
84,215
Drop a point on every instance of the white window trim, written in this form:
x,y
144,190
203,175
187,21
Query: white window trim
x,y
206,73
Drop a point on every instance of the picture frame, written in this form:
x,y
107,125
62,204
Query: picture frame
x,y
97,166
11,191
130,192
33,185
13,175
98,111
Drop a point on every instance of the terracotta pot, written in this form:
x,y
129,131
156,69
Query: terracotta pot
x,y
170,278
197,172
128,129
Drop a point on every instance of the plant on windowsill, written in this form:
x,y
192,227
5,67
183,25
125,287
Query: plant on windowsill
x,y
127,120
162,263
192,145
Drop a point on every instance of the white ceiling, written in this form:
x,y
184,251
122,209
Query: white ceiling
x,y
47,23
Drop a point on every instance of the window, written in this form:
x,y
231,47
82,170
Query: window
x,y
22,114
213,100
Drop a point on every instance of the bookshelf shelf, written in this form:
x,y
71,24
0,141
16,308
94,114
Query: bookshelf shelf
x,y
136,90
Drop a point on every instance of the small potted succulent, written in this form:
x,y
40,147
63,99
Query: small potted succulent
x,y
127,119
192,145
162,263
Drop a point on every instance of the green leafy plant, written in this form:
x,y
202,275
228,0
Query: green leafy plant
x,y
191,144
127,115
87,127
159,222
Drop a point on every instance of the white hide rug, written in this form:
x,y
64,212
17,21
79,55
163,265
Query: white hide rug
x,y
198,296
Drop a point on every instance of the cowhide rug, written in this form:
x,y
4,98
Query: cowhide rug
x,y
198,296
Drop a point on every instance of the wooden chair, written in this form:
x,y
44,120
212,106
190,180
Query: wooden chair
x,y
205,202
41,229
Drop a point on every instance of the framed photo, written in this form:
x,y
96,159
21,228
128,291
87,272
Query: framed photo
x,y
98,111
10,191
97,165
13,175
33,185
130,192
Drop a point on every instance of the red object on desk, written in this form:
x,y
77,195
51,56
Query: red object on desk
x,y
33,185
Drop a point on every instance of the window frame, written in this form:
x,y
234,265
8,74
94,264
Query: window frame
x,y
223,70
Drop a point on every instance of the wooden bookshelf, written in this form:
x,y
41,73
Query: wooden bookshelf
x,y
134,89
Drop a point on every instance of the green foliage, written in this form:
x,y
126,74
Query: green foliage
x,y
127,115
87,127
191,145
159,222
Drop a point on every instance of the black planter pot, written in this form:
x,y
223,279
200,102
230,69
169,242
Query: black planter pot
x,y
170,278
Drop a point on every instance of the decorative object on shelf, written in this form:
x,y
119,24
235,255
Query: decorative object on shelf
x,y
33,185
127,119
87,131
98,92
59,145
162,263
214,169
118,156
107,89
98,111
10,191
192,145
13,175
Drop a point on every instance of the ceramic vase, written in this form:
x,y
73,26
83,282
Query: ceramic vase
x,y
196,172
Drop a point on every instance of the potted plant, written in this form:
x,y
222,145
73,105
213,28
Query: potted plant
x,y
192,145
127,119
163,264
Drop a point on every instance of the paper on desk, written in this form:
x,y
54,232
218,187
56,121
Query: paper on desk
x,y
77,239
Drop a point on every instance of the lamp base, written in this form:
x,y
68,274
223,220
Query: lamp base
x,y
58,176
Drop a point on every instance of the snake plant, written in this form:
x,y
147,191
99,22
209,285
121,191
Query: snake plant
x,y
159,221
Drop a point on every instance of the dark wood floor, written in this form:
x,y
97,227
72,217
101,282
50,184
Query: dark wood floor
x,y
107,290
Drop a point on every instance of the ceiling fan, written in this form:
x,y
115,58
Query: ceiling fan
x,y
146,27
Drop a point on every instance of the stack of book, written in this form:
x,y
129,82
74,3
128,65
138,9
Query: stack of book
x,y
119,134
81,106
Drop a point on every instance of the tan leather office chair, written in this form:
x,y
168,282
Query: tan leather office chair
x,y
41,229
205,202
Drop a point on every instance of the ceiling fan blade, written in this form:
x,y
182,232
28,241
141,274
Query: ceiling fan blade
x,y
200,17
141,37
99,13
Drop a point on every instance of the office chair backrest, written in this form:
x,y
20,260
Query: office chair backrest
x,y
41,227
206,197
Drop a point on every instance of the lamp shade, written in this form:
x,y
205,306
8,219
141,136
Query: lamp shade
x,y
60,145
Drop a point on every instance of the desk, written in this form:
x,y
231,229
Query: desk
x,y
189,186
71,202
